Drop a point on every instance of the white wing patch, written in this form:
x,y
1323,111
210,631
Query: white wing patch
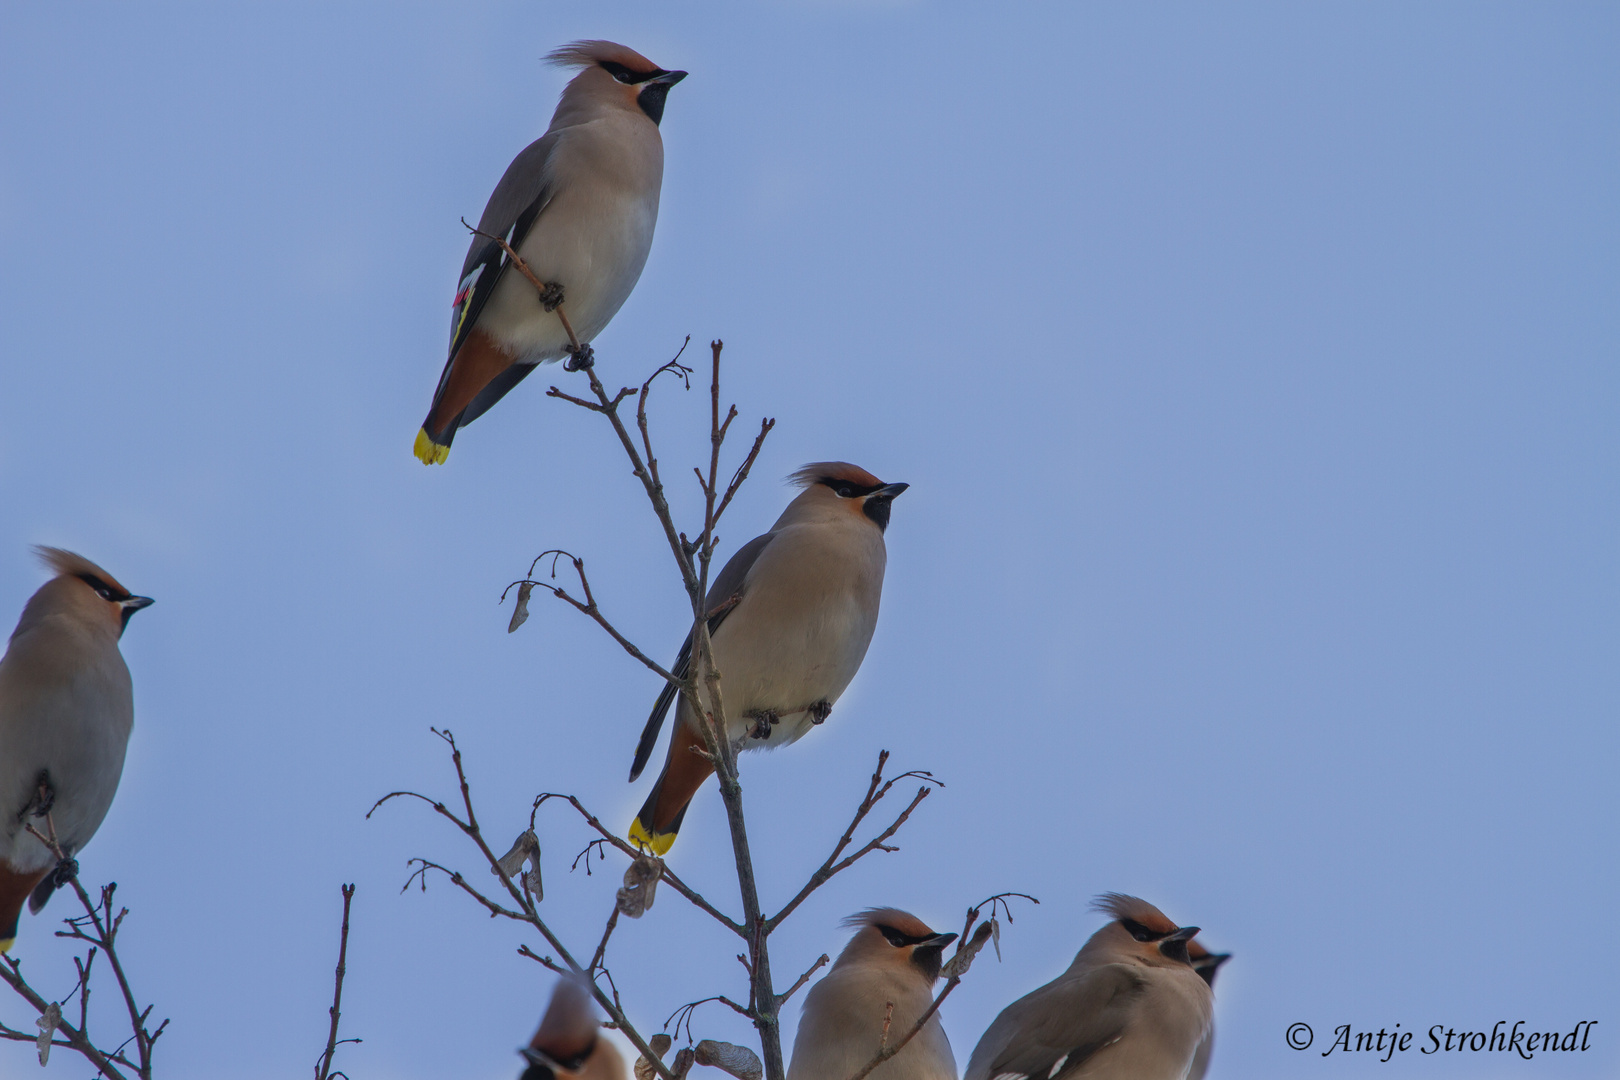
x,y
1057,1066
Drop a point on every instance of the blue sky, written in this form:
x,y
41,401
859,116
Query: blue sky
x,y
1253,367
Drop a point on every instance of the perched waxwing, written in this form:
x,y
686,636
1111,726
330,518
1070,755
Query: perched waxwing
x,y
792,615
894,958
579,206
65,714
1206,964
569,1042
1130,1007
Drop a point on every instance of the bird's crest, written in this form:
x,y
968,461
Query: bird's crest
x,y
819,472
1121,906
70,564
903,921
583,54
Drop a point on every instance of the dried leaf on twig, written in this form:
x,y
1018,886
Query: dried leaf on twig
x,y
958,965
683,1062
659,1044
739,1061
526,848
520,613
640,886
47,1027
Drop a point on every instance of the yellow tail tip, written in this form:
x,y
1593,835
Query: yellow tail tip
x,y
659,844
6,944
428,451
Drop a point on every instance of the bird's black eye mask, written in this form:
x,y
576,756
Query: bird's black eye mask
x,y
899,940
1142,933
628,77
846,489
104,590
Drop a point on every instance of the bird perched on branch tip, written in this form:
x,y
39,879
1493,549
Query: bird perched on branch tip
x,y
893,958
1130,1007
66,709
790,617
579,206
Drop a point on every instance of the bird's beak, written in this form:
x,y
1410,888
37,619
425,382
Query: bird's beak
x,y
888,491
668,78
938,941
135,603
1186,933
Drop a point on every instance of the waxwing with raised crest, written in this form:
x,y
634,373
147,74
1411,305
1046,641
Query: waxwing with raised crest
x,y
66,709
1130,1007
791,616
579,206
877,990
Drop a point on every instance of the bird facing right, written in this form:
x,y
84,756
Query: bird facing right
x,y
1206,964
878,989
1130,1007
66,710
569,1042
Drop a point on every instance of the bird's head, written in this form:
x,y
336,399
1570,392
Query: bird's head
x,y
88,591
1141,933
891,936
1206,963
618,75
848,487
568,1043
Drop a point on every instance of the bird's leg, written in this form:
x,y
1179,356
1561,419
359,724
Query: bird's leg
x,y
764,720
820,711
65,871
44,798
581,358
551,297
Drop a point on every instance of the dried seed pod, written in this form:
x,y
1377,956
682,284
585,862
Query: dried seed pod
x,y
739,1061
958,965
659,1044
683,1062
520,613
47,1027
526,848
640,886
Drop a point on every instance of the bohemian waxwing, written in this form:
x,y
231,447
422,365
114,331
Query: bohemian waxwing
x,y
793,613
65,714
893,958
1130,1007
1206,964
569,1042
579,205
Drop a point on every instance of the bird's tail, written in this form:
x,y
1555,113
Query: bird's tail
x,y
430,451
684,772
14,890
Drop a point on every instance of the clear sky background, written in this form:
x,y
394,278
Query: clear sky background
x,y
1254,367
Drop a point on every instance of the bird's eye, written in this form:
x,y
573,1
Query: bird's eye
x,y
619,71
894,937
1138,931
103,590
845,491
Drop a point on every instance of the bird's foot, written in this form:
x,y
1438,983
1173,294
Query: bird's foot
x,y
581,358
65,871
551,297
820,711
44,798
763,720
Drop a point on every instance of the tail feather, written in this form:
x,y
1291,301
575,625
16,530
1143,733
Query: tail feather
x,y
14,891
660,817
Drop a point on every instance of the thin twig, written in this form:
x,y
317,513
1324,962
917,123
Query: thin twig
x,y
794,989
323,1070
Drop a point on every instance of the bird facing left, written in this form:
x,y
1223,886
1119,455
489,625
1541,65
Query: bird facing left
x,y
569,1041
578,205
66,709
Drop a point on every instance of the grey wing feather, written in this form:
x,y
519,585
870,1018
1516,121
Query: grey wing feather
x,y
729,583
1053,1031
523,182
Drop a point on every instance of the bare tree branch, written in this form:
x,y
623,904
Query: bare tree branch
x,y
323,1068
